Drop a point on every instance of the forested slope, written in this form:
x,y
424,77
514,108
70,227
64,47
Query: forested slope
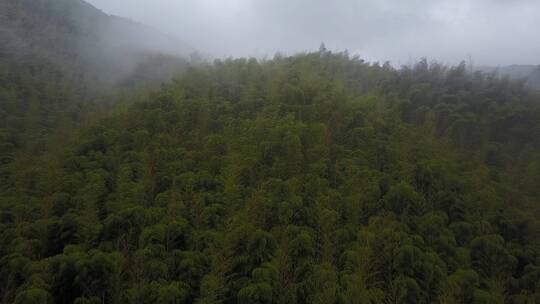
x,y
316,178
63,64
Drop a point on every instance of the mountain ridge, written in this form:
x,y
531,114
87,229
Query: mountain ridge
x,y
79,36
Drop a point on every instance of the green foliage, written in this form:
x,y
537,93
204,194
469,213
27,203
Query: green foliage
x,y
33,296
256,294
317,178
173,293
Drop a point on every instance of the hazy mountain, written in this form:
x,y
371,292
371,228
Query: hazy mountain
x,y
62,61
533,80
77,36
529,73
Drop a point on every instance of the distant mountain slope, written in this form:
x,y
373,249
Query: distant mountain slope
x,y
62,64
529,73
75,35
533,80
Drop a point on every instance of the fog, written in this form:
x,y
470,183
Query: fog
x,y
490,32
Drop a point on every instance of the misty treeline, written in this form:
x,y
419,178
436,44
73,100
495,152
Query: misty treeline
x,y
316,178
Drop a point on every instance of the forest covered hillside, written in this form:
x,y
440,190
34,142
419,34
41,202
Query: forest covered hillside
x,y
316,178
130,174
65,63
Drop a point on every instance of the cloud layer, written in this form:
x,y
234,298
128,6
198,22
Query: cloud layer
x,y
495,32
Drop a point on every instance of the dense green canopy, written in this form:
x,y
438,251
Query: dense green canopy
x,y
317,178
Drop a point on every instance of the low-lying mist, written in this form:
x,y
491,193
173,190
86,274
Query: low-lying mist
x,y
73,34
490,32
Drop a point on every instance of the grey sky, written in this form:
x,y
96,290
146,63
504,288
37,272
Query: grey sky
x,y
495,32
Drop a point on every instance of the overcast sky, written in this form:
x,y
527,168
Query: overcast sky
x,y
495,32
